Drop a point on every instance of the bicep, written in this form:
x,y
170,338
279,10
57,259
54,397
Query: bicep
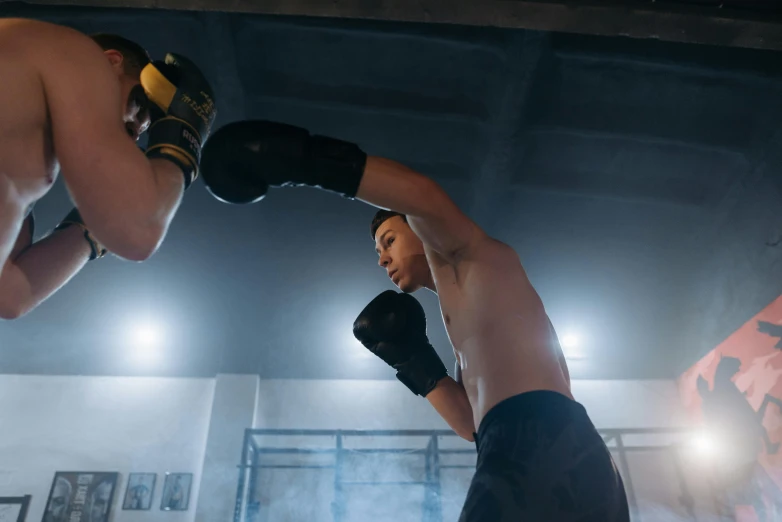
x,y
85,103
23,241
11,220
446,229
431,213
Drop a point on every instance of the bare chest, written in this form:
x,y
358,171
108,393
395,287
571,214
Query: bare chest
x,y
465,302
27,157
482,304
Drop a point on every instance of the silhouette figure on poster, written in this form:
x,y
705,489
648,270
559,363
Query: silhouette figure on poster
x,y
740,429
772,330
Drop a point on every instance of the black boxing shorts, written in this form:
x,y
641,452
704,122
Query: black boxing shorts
x,y
540,459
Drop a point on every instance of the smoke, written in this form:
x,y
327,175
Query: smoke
x,y
383,479
654,512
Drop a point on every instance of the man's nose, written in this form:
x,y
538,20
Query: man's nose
x,y
384,260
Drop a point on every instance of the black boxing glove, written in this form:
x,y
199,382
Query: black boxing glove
x,y
74,218
243,159
183,111
393,327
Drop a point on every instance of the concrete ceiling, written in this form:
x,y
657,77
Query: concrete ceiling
x,y
638,179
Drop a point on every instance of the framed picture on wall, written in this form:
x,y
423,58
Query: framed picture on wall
x,y
14,509
80,496
176,492
138,495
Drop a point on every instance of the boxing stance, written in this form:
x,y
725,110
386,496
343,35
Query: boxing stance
x,y
76,105
539,456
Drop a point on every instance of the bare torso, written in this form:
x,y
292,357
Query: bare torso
x,y
28,166
499,329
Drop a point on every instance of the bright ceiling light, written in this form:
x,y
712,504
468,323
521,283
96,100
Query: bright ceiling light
x,y
570,341
147,335
705,444
571,344
146,340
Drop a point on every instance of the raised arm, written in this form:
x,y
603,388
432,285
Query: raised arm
x,y
243,159
431,213
127,200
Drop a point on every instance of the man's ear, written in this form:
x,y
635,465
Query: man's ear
x,y
116,59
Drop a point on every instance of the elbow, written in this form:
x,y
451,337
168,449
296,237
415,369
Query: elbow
x,y
10,310
137,252
467,433
136,245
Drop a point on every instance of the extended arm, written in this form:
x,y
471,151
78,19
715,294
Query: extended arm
x,y
431,213
242,159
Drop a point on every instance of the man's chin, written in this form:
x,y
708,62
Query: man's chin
x,y
407,287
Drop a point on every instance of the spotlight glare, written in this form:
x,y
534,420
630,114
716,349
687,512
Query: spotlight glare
x,y
147,336
570,344
146,354
145,342
361,351
569,341
705,444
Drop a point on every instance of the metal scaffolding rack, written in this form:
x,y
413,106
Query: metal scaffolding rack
x,y
247,507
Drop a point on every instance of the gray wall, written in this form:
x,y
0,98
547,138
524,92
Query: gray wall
x,y
740,271
110,424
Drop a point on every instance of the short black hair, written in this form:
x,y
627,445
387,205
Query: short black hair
x,y
381,216
136,57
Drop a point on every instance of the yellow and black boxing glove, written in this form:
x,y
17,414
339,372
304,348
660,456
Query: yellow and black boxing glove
x,y
74,218
183,111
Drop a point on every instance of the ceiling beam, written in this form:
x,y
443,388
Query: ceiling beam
x,y
656,20
492,180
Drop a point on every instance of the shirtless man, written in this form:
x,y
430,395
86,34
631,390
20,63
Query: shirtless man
x,y
76,105
539,455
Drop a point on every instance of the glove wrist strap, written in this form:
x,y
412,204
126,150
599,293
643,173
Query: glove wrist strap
x,y
177,141
336,165
422,372
74,218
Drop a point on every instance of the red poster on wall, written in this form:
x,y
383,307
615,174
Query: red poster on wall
x,y
735,393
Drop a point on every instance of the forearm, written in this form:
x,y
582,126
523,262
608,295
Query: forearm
x,y
450,400
11,213
391,185
132,221
40,270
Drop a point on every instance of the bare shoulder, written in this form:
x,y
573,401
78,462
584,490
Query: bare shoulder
x,y
34,40
37,31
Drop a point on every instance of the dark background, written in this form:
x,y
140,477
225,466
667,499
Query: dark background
x,y
639,181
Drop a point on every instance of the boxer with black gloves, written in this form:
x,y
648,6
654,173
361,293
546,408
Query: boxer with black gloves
x,y
76,105
539,456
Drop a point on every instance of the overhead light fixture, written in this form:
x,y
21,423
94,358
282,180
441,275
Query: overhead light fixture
x,y
705,443
570,341
146,340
